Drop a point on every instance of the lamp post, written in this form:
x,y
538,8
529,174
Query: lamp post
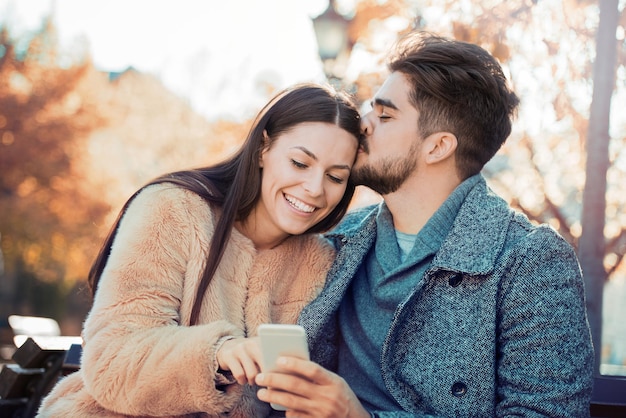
x,y
331,32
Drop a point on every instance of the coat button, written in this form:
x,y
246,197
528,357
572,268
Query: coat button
x,y
458,389
455,279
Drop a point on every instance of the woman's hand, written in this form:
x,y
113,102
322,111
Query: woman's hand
x,y
309,390
241,356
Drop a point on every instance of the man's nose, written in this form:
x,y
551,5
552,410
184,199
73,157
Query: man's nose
x,y
366,124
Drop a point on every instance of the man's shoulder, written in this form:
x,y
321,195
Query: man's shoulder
x,y
537,235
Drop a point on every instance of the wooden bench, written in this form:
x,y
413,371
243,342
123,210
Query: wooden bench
x,y
36,369
609,397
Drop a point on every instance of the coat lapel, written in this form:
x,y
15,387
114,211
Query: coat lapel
x,y
352,247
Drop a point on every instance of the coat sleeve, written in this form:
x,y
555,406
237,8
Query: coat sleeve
x,y
544,350
138,358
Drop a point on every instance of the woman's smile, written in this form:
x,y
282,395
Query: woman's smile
x,y
299,204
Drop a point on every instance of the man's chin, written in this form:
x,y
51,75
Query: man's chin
x,y
377,180
361,173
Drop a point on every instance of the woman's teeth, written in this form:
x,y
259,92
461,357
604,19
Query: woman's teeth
x,y
300,205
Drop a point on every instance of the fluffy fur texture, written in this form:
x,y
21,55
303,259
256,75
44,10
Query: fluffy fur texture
x,y
140,357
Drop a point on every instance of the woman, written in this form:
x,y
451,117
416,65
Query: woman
x,y
198,259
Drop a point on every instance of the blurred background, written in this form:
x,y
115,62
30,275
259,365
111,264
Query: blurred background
x,y
97,98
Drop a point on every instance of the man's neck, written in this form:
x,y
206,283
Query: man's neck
x,y
417,200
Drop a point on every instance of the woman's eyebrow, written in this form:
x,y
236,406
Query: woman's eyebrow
x,y
306,151
310,154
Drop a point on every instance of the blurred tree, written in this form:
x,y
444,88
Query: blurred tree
x,y
373,29
47,216
151,131
592,246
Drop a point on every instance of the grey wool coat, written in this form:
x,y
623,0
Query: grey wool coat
x,y
497,326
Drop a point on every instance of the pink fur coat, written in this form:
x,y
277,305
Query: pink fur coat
x,y
140,357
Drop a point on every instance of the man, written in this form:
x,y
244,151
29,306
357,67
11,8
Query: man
x,y
442,300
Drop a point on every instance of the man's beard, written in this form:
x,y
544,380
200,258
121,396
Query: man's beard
x,y
387,175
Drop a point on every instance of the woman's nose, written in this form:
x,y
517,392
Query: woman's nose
x,y
314,185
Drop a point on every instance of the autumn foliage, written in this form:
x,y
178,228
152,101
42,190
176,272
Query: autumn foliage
x,y
47,216
74,145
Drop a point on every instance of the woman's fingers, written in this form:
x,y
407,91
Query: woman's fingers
x,y
240,356
250,359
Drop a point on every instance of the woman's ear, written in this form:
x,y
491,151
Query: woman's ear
x,y
440,147
264,147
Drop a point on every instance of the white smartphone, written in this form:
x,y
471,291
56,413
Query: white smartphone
x,y
281,340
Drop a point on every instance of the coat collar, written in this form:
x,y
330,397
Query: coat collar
x,y
478,233
475,240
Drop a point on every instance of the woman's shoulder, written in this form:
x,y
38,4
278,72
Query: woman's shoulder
x,y
168,192
167,203
168,195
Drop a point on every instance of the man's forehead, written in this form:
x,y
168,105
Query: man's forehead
x,y
394,92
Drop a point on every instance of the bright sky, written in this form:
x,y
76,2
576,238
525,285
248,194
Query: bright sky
x,y
218,54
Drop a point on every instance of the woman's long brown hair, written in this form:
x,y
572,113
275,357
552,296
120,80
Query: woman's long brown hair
x,y
235,184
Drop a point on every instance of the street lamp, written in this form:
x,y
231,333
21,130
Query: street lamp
x,y
331,31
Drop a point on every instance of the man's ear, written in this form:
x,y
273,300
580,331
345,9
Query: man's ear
x,y
441,145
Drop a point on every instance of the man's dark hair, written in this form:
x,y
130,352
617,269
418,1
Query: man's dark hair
x,y
460,88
